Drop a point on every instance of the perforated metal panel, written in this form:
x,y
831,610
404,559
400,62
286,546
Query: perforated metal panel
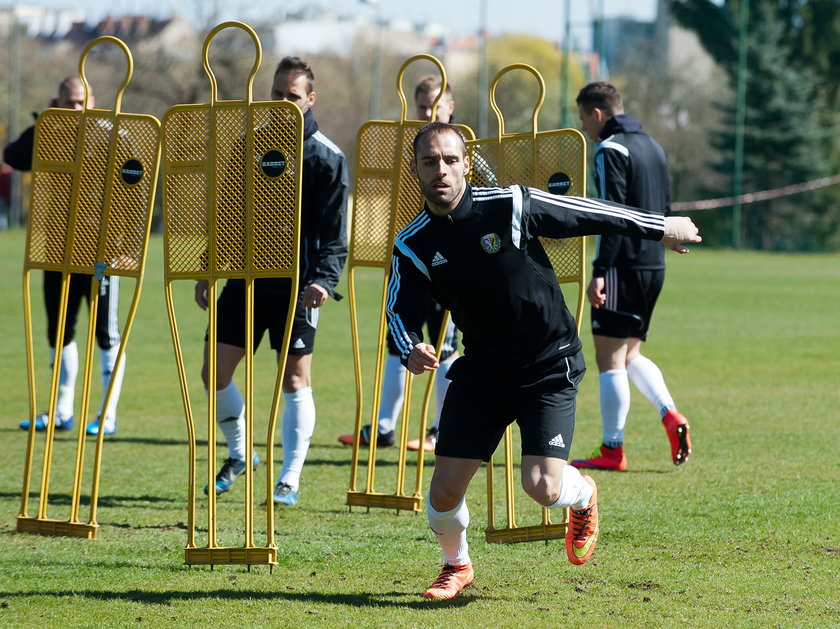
x,y
244,162
386,197
554,161
94,176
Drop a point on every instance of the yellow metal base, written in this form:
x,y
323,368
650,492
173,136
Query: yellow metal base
x,y
383,501
535,533
58,528
264,556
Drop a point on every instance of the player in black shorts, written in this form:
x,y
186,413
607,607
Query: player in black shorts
x,y
323,252
71,95
477,250
393,379
627,277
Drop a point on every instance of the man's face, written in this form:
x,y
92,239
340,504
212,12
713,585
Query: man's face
x,y
73,97
593,122
293,90
444,110
440,168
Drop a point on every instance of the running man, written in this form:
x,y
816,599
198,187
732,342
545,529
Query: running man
x,y
627,277
477,250
323,245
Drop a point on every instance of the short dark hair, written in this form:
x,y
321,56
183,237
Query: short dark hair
x,y
295,67
437,128
602,95
429,84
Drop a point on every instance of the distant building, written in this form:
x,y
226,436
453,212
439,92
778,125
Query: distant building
x,y
317,32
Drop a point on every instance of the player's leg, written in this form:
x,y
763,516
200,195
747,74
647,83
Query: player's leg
x,y
546,417
69,366
298,423
648,378
230,406
449,518
298,426
108,338
553,484
472,424
614,389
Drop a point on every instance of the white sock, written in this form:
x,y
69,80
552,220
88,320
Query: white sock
x,y
574,491
68,371
230,415
298,426
615,404
649,380
393,391
441,386
450,527
108,359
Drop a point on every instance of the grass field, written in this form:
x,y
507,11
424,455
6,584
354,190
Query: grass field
x,y
746,534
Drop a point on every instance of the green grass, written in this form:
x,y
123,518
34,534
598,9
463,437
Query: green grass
x,y
746,534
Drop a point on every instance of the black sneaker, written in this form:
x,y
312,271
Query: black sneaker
x,y
385,440
231,470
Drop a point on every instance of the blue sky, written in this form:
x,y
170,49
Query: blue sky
x,y
545,18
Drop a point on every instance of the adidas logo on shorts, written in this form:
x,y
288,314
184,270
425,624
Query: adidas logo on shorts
x,y
557,442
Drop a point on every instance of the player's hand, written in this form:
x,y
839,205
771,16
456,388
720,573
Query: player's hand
x,y
201,287
596,292
314,296
422,358
680,229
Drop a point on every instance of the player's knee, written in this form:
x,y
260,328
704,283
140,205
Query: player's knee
x,y
541,489
443,498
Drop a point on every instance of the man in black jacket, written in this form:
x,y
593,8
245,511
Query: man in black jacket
x,y
18,154
323,253
627,277
477,251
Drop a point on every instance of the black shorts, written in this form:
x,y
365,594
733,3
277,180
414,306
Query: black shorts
x,y
631,297
434,319
270,312
474,418
107,319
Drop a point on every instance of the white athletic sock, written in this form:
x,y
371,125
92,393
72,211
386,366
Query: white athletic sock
x,y
615,404
450,527
68,371
441,386
574,491
298,426
108,359
230,415
393,391
649,380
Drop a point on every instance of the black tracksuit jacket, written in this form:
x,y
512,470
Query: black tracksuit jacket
x,y
323,206
484,262
630,168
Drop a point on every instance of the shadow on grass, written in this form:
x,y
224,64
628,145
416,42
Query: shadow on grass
x,y
63,500
357,599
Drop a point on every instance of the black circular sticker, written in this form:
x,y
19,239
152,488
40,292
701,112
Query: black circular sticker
x,y
273,163
559,183
131,172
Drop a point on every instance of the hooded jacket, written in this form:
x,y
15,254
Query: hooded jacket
x,y
630,168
